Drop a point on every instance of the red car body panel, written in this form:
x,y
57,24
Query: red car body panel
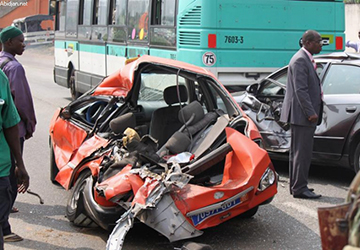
x,y
116,84
243,168
128,182
70,149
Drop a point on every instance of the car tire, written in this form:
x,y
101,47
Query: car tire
x,y
71,83
250,213
53,167
104,217
357,158
75,211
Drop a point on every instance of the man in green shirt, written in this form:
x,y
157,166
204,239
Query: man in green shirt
x,y
9,142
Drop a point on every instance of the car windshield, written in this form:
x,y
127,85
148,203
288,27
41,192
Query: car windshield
x,y
153,86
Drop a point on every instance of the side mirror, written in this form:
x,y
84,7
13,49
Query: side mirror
x,y
65,113
253,88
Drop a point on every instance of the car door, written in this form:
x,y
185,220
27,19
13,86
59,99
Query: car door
x,y
341,88
67,137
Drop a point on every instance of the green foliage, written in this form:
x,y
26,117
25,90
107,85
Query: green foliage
x,y
351,1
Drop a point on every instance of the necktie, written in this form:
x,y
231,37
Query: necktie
x,y
314,63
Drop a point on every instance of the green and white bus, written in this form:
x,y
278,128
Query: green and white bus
x,y
238,40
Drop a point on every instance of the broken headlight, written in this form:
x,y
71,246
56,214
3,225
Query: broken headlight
x,y
267,179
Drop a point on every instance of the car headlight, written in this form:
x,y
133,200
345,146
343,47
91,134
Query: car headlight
x,y
267,179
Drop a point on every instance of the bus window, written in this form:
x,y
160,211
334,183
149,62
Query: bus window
x,y
62,17
99,33
85,12
163,13
100,9
117,21
72,18
57,10
162,29
138,20
120,12
84,28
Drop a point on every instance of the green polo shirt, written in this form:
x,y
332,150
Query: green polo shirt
x,y
9,117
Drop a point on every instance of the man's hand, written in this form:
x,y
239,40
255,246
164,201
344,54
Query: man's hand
x,y
28,135
22,178
313,118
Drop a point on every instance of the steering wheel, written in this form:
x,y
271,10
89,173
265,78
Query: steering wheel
x,y
93,112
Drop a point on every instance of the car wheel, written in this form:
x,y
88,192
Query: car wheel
x,y
75,211
74,93
250,213
357,158
53,167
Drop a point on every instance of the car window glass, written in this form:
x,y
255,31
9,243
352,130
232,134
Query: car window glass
x,y
269,88
342,79
211,97
153,85
319,68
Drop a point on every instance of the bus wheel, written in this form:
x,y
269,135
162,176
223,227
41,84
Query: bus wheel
x,y
74,93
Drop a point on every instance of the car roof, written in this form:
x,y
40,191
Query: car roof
x,y
173,63
324,58
339,56
33,18
120,82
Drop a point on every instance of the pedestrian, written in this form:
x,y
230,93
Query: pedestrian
x,y
353,44
9,142
302,109
12,40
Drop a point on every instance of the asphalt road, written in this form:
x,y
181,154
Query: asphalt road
x,y
286,223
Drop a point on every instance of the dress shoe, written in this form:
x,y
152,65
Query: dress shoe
x,y
310,189
307,195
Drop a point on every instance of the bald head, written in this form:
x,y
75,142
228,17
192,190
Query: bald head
x,y
310,35
312,41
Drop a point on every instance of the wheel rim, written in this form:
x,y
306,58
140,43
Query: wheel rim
x,y
76,195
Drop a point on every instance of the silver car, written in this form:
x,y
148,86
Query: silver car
x,y
337,138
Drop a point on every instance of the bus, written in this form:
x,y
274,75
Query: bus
x,y
239,41
37,29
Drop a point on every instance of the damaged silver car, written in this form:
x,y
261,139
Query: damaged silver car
x,y
337,138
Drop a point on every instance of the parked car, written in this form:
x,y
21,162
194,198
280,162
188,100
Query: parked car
x,y
159,132
337,138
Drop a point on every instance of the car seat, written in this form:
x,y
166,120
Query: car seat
x,y
164,121
196,123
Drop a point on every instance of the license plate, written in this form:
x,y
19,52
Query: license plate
x,y
199,218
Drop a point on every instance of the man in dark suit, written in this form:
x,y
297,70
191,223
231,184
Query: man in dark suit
x,y
302,108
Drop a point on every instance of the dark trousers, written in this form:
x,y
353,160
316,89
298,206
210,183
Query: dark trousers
x,y
302,141
5,205
6,228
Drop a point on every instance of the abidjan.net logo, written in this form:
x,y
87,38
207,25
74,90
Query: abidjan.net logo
x,y
13,3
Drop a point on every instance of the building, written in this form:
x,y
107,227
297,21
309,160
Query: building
x,y
13,9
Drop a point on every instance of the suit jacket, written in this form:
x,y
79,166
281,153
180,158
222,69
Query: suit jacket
x,y
303,92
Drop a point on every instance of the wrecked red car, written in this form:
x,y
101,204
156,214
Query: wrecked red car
x,y
160,141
